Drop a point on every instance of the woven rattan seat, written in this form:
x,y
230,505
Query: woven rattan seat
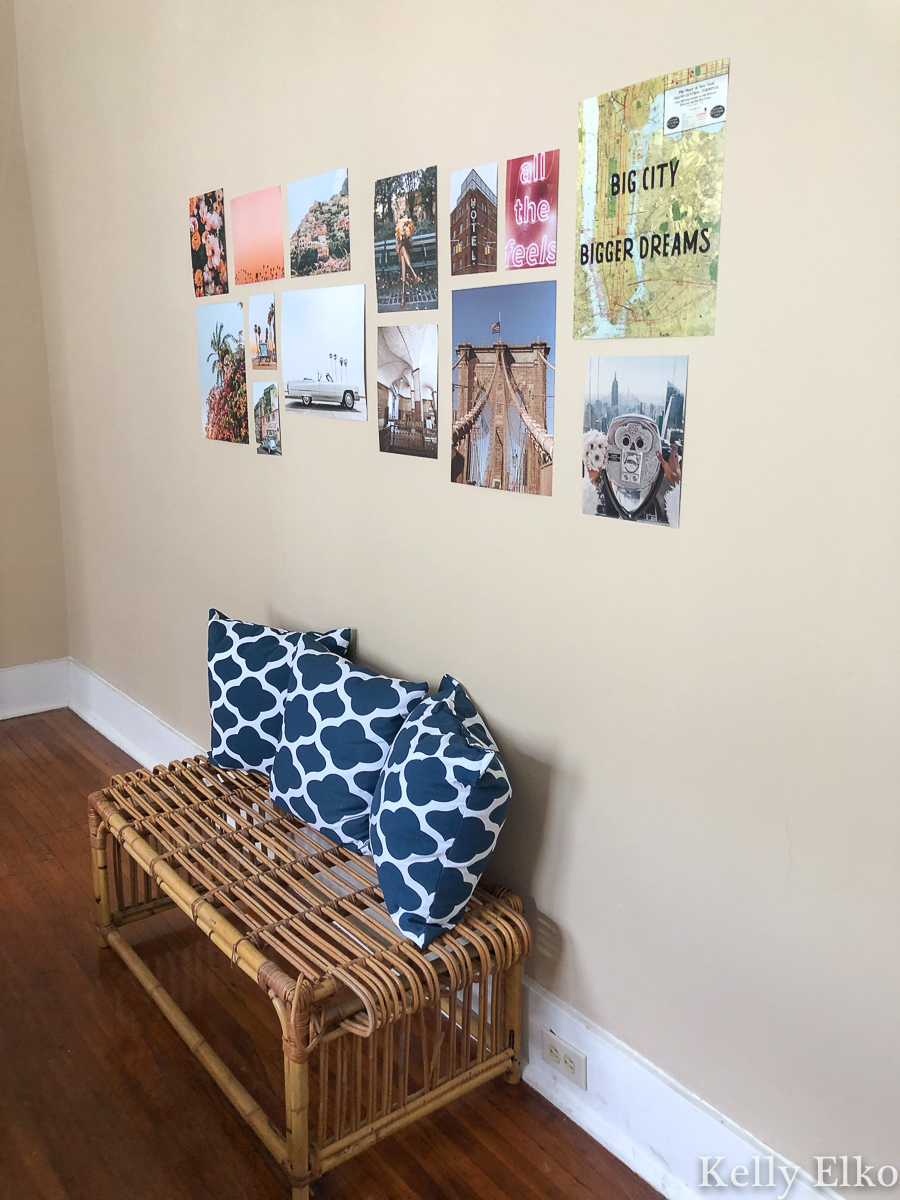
x,y
381,1031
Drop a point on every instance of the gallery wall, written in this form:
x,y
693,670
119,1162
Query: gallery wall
x,y
32,590
698,722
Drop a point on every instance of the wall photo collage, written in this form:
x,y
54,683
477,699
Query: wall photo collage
x,y
648,191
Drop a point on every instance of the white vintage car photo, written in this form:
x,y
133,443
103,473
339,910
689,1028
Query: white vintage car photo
x,y
305,392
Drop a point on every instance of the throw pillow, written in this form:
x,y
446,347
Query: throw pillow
x,y
438,808
340,721
249,669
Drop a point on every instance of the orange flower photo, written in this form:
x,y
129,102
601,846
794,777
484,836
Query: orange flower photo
x,y
207,224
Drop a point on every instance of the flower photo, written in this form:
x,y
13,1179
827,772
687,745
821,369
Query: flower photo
x,y
223,376
209,264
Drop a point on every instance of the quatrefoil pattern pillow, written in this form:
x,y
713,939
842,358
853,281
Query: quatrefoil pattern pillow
x,y
249,671
340,721
438,808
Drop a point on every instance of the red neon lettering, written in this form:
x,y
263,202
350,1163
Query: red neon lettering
x,y
533,169
526,211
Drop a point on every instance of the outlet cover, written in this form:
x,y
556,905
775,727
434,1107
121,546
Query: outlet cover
x,y
564,1058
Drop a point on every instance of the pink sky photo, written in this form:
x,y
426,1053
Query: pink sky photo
x,y
258,247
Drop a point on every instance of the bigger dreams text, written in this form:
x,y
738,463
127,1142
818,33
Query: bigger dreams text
x,y
664,245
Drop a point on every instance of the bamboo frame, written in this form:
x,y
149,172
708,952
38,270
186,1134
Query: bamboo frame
x,y
375,1032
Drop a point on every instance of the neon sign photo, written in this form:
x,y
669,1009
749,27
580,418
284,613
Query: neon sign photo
x,y
532,189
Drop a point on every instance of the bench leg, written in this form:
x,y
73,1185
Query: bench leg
x,y
296,1089
99,833
513,985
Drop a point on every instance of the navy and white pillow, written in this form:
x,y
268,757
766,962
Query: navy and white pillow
x,y
340,721
249,671
438,808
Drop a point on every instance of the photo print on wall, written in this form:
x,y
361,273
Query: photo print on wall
x,y
406,241
319,221
323,346
648,206
532,194
503,395
266,418
223,374
473,220
633,445
407,389
258,249
209,264
263,347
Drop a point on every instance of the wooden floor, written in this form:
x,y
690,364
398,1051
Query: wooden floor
x,y
100,1098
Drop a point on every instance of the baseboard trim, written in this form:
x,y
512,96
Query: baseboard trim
x,y
127,724
35,687
65,683
641,1115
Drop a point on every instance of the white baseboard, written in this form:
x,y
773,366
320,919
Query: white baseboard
x,y
64,683
646,1119
126,723
36,687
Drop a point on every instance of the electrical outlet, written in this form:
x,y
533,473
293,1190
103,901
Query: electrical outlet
x,y
564,1058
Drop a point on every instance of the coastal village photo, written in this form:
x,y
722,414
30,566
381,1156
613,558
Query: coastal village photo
x,y
319,220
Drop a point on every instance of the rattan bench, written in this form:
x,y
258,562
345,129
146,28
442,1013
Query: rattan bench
x,y
375,1032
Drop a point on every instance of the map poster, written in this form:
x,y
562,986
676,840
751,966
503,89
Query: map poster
x,y
648,207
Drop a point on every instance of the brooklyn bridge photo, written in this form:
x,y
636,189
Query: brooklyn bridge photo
x,y
503,398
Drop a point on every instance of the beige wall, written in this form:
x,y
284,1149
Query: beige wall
x,y
700,723
32,590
